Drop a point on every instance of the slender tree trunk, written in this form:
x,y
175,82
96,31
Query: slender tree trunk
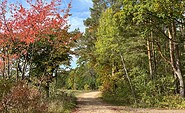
x,y
23,71
113,65
4,63
175,61
18,68
154,56
17,71
182,30
172,56
165,51
171,47
128,78
47,89
8,65
56,76
178,63
24,68
113,70
4,68
149,59
179,73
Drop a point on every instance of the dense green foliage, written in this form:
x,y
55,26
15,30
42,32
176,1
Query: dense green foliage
x,y
78,79
136,51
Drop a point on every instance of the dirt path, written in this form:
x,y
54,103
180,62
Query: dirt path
x,y
91,103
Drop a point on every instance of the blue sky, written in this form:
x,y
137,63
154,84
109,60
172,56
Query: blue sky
x,y
80,11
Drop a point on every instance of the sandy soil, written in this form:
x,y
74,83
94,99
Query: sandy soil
x,y
91,103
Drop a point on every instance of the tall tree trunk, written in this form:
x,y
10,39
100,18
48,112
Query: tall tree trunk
x,y
182,30
23,71
175,61
18,69
4,68
154,56
127,77
24,68
172,55
149,59
4,63
113,69
17,72
56,76
179,73
178,63
47,89
8,65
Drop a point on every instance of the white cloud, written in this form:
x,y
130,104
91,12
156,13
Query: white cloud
x,y
87,1
84,3
83,14
76,22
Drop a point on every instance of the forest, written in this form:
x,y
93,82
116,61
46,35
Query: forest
x,y
133,51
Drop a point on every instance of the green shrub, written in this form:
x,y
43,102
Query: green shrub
x,y
119,94
157,93
5,87
152,93
174,101
86,87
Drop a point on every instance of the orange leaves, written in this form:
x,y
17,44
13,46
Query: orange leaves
x,y
0,24
40,19
1,63
22,10
29,40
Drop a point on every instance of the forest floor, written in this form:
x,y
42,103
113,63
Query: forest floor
x,y
90,102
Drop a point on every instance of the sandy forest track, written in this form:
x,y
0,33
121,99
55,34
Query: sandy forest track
x,y
91,103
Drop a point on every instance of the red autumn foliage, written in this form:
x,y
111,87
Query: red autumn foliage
x,y
40,19
27,24
20,26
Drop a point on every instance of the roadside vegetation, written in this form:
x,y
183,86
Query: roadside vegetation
x,y
20,97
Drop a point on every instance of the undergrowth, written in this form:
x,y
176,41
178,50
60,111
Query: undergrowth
x,y
158,101
61,102
23,98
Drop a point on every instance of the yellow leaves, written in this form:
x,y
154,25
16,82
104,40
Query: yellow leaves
x,y
156,6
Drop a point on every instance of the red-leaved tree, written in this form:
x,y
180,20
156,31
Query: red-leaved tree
x,y
21,27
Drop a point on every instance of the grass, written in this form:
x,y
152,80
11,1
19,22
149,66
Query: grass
x,y
76,92
62,102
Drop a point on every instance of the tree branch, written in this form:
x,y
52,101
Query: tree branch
x,y
160,52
